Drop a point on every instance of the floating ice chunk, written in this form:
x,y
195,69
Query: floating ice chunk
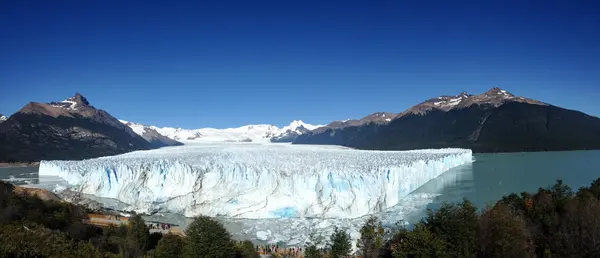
x,y
258,181
263,235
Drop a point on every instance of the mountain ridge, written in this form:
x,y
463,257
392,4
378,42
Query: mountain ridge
x,y
69,129
488,122
493,121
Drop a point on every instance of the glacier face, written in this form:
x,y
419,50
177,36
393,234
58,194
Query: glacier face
x,y
258,180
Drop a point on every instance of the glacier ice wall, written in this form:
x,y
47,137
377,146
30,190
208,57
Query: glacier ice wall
x,y
258,181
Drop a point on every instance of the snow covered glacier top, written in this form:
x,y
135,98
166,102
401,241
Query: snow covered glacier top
x,y
258,180
247,133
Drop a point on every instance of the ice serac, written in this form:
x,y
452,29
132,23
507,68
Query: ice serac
x,y
258,181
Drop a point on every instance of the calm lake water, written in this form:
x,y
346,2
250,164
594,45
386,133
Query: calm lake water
x,y
20,175
492,176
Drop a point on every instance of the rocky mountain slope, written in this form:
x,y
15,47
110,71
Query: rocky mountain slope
x,y
69,129
152,136
495,121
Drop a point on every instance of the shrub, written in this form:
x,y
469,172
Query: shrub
x,y
208,238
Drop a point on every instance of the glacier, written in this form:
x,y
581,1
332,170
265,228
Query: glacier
x,y
249,180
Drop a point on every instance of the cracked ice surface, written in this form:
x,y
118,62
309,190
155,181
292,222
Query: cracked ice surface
x,y
258,181
296,231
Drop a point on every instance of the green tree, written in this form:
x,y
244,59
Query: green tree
x,y
456,225
561,193
595,188
153,240
340,244
137,238
311,251
34,240
503,234
310,248
208,238
579,230
169,246
245,249
420,242
371,238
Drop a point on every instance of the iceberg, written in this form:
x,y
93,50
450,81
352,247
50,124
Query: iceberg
x,y
245,180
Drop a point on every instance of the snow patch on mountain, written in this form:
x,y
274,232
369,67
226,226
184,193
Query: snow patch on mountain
x,y
72,103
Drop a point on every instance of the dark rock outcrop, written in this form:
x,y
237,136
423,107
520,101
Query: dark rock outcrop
x,y
496,121
70,129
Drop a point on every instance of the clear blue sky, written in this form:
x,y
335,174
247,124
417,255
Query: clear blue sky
x,y
228,64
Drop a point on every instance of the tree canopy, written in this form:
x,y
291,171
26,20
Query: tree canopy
x,y
555,221
207,237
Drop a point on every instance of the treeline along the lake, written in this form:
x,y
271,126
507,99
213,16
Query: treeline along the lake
x,y
553,222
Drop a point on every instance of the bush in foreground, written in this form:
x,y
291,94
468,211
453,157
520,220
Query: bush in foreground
x,y
208,238
169,246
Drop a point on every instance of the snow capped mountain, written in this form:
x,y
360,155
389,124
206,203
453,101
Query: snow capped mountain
x,y
70,129
299,125
291,132
2,118
152,136
248,133
72,103
494,97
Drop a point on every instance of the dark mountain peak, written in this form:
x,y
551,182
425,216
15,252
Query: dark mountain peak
x,y
498,92
69,129
73,103
79,99
497,96
444,103
376,118
379,117
492,98
463,94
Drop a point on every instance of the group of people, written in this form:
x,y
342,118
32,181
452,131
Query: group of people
x,y
159,226
270,249
114,217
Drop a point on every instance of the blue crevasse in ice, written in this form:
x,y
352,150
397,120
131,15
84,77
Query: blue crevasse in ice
x,y
286,212
108,176
388,176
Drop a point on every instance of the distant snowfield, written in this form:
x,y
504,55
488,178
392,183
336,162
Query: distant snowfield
x,y
248,133
252,180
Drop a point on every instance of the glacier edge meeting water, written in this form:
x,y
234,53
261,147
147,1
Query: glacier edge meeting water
x,y
258,181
